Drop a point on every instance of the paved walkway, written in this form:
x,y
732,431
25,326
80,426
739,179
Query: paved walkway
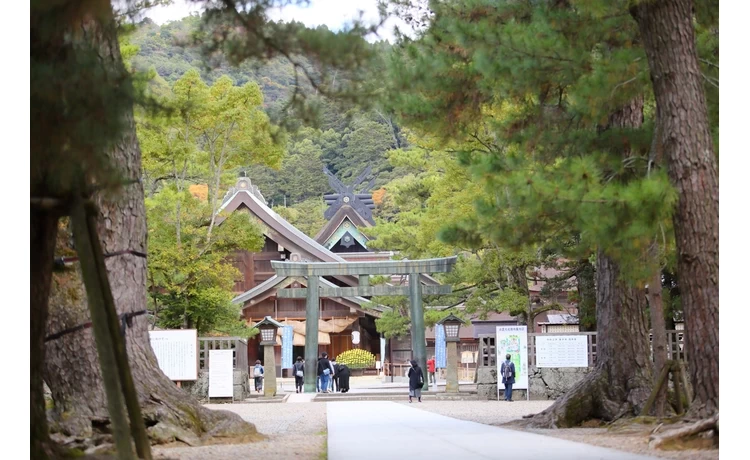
x,y
300,397
401,431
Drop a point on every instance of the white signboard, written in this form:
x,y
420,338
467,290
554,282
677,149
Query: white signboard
x,y
562,351
513,340
220,370
177,353
468,357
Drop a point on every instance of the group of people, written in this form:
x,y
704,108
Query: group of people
x,y
331,376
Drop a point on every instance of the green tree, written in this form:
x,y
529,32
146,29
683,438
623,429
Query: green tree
x,y
83,139
550,103
191,286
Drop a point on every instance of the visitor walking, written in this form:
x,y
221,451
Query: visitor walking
x,y
343,375
416,381
431,369
258,375
508,372
325,371
299,374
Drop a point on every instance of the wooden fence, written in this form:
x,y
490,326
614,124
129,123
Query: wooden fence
x,y
223,343
488,356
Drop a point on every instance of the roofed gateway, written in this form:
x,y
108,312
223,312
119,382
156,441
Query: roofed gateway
x,y
340,315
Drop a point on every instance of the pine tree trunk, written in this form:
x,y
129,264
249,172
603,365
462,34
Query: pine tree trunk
x,y
659,338
668,35
586,286
71,367
621,382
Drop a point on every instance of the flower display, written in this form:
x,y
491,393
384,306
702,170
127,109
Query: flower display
x,y
357,359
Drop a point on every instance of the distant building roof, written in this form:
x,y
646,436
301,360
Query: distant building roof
x,y
562,318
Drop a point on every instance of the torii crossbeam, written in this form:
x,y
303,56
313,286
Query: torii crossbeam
x,y
363,270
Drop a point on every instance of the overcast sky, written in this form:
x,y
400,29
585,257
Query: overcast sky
x,y
332,13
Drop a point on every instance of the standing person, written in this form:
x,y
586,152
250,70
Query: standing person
x,y
325,371
317,380
431,369
343,375
416,381
258,375
335,379
299,374
508,371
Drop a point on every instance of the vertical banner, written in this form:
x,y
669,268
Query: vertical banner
x,y
440,358
513,340
287,340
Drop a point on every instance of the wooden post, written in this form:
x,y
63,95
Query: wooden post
x,y
103,338
661,381
311,334
137,425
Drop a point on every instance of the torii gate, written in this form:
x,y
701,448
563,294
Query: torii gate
x,y
363,270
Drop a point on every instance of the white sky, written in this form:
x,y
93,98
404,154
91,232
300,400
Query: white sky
x,y
332,13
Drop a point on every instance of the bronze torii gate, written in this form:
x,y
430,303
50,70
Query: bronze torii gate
x,y
313,270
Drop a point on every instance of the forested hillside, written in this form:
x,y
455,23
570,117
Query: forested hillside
x,y
345,141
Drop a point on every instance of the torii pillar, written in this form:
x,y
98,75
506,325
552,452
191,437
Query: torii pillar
x,y
363,270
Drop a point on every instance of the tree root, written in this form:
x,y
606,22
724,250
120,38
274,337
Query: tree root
x,y
670,437
592,398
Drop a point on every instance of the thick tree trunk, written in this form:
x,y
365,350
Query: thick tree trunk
x,y
71,367
659,338
621,382
668,36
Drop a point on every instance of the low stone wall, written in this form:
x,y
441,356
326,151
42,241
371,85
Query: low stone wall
x,y
199,388
544,383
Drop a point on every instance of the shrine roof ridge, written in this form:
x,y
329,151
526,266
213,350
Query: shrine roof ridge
x,y
387,267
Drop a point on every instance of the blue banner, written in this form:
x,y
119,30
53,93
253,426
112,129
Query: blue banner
x,y
287,340
440,359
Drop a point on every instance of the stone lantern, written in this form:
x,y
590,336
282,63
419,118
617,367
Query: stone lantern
x,y
268,328
452,325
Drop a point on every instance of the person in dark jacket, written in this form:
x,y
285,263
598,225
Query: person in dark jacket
x,y
299,374
508,372
335,385
325,371
343,375
416,381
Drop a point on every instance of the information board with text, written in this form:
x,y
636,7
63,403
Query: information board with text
x,y
562,351
176,352
513,340
220,370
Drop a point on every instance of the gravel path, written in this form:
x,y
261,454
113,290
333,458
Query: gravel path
x,y
633,439
294,430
